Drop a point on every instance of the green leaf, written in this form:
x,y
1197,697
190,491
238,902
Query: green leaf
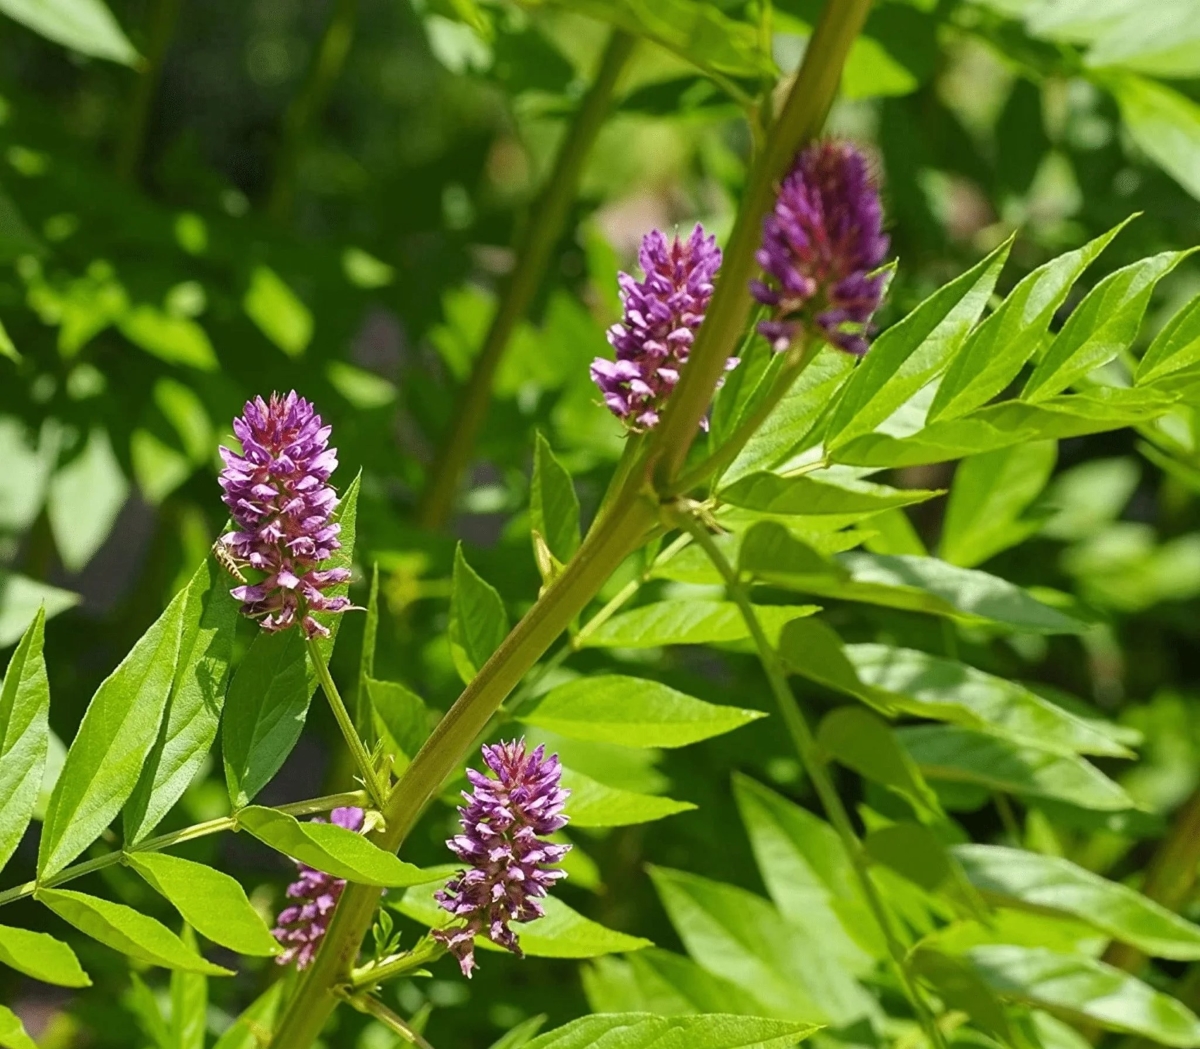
x,y
176,340
1087,990
595,804
254,1027
665,984
812,649
86,26
478,620
402,713
364,719
144,1004
633,712
1100,327
689,622
925,584
1163,123
1176,347
644,1031
1028,880
520,1036
771,494
42,957
743,938
189,1003
194,708
12,1031
125,930
961,755
277,312
212,903
553,504
912,851
268,698
866,743
7,348
24,735
914,351
960,987
114,739
330,848
562,933
989,498
1167,45
771,553
808,875
994,353
944,690
85,495
789,428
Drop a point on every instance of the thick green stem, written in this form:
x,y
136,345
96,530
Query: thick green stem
x,y
175,837
164,14
799,121
309,102
362,759
534,248
814,766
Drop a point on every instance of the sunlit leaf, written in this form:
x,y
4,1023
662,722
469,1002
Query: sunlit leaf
x,y
42,957
24,735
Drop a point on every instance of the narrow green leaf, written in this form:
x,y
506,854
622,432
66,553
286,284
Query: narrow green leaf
x,y
864,742
771,494
743,938
24,735
20,599
42,957
277,312
12,1031
363,717
1176,347
253,1029
268,698
995,352
1087,990
114,739
125,930
562,933
212,903
944,690
86,26
194,709
330,848
553,504
1016,878
595,804
520,1036
478,620
989,498
1100,327
914,351
961,755
402,714
189,1003
1164,124
644,1031
144,1004
688,622
633,712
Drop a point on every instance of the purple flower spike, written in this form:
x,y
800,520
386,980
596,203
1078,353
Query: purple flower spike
x,y
662,313
302,926
504,822
820,245
278,493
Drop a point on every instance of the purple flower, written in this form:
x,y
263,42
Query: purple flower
x,y
820,245
302,926
503,824
662,313
278,493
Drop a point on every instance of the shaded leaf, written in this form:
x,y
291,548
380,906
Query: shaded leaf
x,y
595,804
1177,345
402,713
253,1028
86,26
12,1031
478,620
772,494
553,504
1164,123
688,622
644,1031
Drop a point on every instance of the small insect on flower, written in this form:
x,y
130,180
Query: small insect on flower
x,y
225,559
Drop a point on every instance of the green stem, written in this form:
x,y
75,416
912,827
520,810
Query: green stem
x,y
164,15
364,1003
533,252
799,121
814,765
362,759
309,102
366,977
175,837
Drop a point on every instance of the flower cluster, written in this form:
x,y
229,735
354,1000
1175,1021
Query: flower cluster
x,y
302,926
503,823
662,313
278,493
820,246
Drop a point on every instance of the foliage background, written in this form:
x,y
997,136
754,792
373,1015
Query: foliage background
x,y
242,216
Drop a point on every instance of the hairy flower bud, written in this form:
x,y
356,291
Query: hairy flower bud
x,y
278,493
821,244
503,826
302,926
662,313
